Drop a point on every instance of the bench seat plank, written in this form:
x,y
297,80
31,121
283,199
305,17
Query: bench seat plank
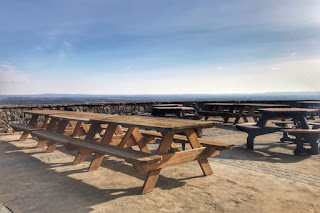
x,y
24,127
302,131
127,154
176,158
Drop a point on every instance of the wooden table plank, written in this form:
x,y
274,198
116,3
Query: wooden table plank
x,y
157,123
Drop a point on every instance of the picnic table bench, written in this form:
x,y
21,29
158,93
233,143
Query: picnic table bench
x,y
133,136
310,136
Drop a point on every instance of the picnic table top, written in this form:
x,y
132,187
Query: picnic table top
x,y
167,105
288,110
174,108
246,104
157,123
309,102
81,116
262,105
42,112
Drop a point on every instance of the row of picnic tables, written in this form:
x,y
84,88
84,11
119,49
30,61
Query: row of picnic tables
x,y
245,110
127,137
225,110
289,120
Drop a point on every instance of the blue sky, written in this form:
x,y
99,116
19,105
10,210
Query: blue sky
x,y
159,47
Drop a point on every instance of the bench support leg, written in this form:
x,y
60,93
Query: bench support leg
x,y
80,156
96,162
60,129
314,147
51,147
24,136
107,138
41,143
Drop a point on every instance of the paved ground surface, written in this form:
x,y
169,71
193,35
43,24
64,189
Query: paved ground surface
x,y
267,179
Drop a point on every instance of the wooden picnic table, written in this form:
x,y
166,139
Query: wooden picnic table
x,y
298,116
179,111
132,134
236,110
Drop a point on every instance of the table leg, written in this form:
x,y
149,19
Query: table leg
x,y
263,120
226,118
153,175
45,121
245,118
237,117
141,141
77,129
126,137
241,109
302,120
194,142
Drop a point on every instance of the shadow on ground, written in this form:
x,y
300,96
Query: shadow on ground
x,y
24,171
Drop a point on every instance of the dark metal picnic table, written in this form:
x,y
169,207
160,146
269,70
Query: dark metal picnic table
x,y
236,110
298,115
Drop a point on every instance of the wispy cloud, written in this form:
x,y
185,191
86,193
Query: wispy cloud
x,y
16,82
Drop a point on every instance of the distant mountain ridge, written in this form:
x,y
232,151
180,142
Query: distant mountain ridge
x,y
85,98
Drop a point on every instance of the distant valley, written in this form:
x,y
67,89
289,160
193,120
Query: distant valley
x,y
81,98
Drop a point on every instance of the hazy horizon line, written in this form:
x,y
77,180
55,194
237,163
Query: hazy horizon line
x,y
159,94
